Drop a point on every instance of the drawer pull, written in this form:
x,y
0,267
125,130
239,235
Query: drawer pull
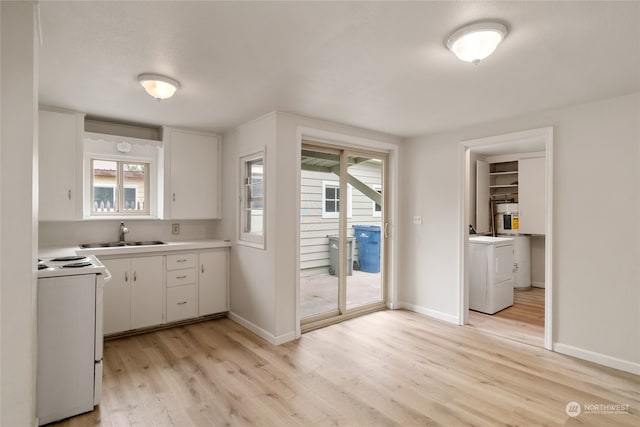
x,y
181,303
181,277
181,260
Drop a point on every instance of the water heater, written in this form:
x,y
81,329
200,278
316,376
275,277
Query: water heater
x,y
506,220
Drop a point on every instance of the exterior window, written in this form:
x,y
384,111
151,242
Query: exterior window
x,y
377,209
252,199
119,187
331,199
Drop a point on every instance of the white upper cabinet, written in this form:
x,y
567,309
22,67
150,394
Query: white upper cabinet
x,y
59,157
531,176
192,174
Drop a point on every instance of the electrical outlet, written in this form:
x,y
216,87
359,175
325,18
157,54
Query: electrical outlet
x,y
417,220
175,228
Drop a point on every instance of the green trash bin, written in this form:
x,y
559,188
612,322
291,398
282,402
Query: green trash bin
x,y
334,255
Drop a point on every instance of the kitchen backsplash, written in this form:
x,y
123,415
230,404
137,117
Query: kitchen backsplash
x,y
76,232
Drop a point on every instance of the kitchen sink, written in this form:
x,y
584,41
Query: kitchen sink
x,y
120,244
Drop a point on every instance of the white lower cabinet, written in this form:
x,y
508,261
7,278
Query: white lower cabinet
x,y
151,290
181,302
181,286
212,282
133,297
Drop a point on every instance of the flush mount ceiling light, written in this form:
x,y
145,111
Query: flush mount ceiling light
x,y
473,43
160,87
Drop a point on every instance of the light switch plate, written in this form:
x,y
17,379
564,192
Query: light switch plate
x,y
175,228
417,220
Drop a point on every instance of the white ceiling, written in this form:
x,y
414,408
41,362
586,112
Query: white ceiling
x,y
377,65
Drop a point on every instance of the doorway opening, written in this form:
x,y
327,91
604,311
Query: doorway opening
x,y
342,233
506,286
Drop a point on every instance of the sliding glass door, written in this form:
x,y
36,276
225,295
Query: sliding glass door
x,y
342,233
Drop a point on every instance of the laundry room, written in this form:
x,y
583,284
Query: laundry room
x,y
507,215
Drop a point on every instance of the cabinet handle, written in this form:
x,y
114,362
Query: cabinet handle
x,y
181,277
181,260
181,303
69,194
126,276
135,276
202,268
174,197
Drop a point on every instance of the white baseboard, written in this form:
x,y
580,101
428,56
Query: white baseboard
x,y
429,312
537,284
266,335
599,358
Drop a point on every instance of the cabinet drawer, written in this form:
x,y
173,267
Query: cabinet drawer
x,y
185,276
181,303
179,261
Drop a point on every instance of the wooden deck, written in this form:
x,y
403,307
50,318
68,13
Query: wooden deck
x,y
389,368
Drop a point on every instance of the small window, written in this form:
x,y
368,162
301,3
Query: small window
x,y
252,199
119,187
377,209
331,199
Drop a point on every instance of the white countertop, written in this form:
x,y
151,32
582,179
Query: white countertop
x,y
57,251
489,240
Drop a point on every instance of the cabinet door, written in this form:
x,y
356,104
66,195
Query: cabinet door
x,y
212,282
531,194
117,300
58,154
146,291
194,181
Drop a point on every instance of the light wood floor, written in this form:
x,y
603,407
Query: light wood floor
x,y
389,368
523,321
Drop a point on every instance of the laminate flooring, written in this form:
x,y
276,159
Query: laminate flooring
x,y
389,368
523,321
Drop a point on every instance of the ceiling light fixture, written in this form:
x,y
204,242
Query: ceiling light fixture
x,y
474,42
160,87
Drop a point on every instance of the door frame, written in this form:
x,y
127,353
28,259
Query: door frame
x,y
543,135
351,142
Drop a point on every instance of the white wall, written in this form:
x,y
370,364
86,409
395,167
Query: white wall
x,y
596,261
252,284
18,201
263,283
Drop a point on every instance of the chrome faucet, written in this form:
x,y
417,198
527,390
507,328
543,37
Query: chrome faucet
x,y
123,230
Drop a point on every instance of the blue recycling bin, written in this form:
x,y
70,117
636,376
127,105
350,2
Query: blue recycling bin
x,y
368,238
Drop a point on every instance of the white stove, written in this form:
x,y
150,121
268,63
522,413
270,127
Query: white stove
x,y
70,300
70,266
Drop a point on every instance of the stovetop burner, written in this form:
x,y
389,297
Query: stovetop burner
x,y
68,258
78,264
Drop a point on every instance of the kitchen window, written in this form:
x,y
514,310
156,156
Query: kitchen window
x,y
119,187
252,199
121,177
331,199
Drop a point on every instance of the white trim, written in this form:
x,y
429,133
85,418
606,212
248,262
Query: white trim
x,y
374,212
599,358
336,184
543,135
450,318
391,212
254,240
262,333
